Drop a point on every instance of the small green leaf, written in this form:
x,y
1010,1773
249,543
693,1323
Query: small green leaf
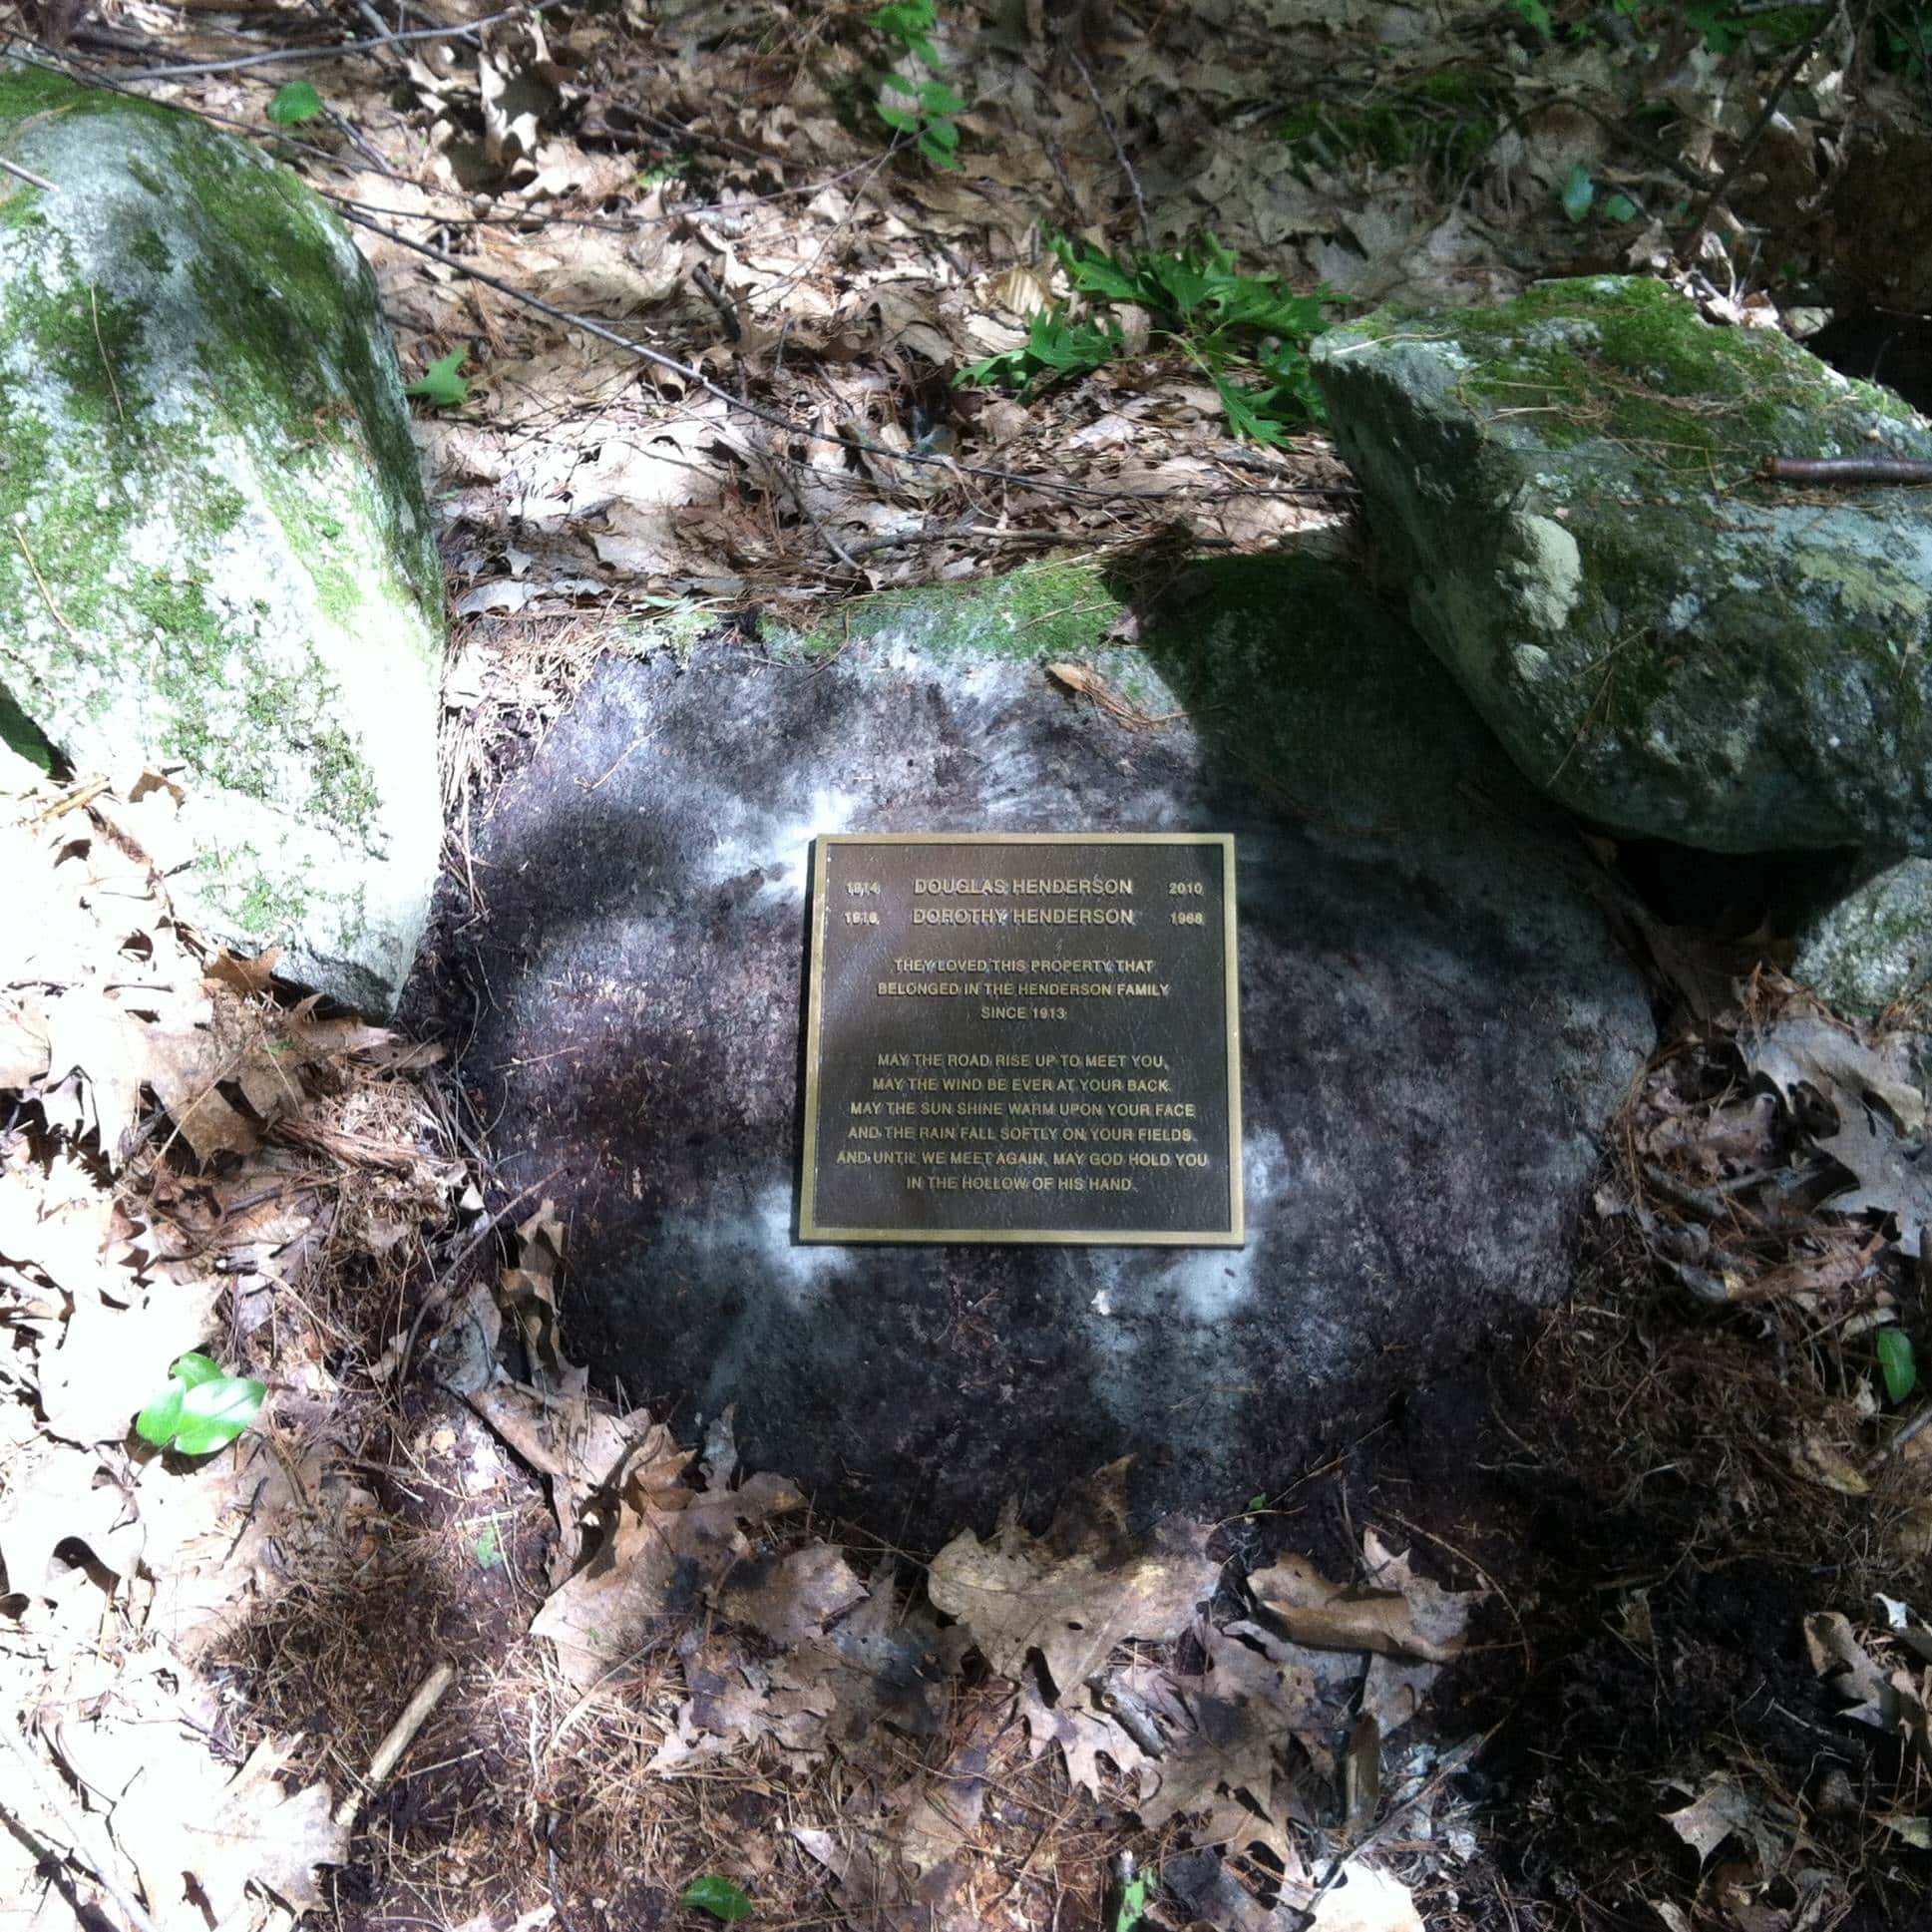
x,y
938,153
1257,1502
716,1895
937,98
157,1423
1133,1902
1897,1364
1579,192
488,1548
440,384
1243,412
1620,208
202,1409
297,102
1537,13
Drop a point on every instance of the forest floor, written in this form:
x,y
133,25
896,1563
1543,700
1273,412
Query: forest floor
x,y
1620,1626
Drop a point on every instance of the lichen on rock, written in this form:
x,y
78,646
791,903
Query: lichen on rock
x,y
215,552
1568,488
1874,948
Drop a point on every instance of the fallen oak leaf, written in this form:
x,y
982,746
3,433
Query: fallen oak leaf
x,y
189,1827
527,1290
1722,1809
108,1360
1076,1592
662,1552
788,1598
23,1038
1333,1616
1891,1176
1803,1050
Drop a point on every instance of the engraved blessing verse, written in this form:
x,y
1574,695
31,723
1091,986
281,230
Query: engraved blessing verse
x,y
1031,1086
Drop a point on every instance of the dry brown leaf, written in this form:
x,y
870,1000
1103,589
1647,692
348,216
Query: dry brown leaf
x,y
249,977
1724,1808
1414,1618
1892,1176
23,1038
1820,1462
1072,1595
63,1495
886,1662
92,1034
528,1290
111,1361
1804,1049
664,1550
188,1822
1229,1766
790,1598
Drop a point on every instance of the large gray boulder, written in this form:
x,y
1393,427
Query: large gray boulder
x,y
1436,1027
214,555
1567,488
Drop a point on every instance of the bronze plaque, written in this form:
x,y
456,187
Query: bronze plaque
x,y
1024,1036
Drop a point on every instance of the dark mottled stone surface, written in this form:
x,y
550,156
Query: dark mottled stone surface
x,y
1437,1025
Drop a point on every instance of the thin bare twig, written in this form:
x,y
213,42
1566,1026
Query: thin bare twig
x,y
973,532
1120,152
1756,132
27,175
59,616
93,307
401,1735
272,54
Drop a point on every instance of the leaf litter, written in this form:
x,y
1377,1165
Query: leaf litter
x,y
156,1197
1753,1289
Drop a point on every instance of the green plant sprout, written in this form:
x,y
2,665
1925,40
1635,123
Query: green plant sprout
x,y
1248,334
294,104
203,1409
718,1896
922,108
438,384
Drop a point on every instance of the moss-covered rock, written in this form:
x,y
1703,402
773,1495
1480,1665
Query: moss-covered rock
x,y
214,554
1568,485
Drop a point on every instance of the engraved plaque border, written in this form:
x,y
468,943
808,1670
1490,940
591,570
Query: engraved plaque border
x,y
811,1229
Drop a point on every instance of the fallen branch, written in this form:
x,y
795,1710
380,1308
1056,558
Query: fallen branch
x,y
401,1735
1119,153
26,175
1844,472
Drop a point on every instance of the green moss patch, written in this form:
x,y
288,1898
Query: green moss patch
x,y
1042,610
1627,362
